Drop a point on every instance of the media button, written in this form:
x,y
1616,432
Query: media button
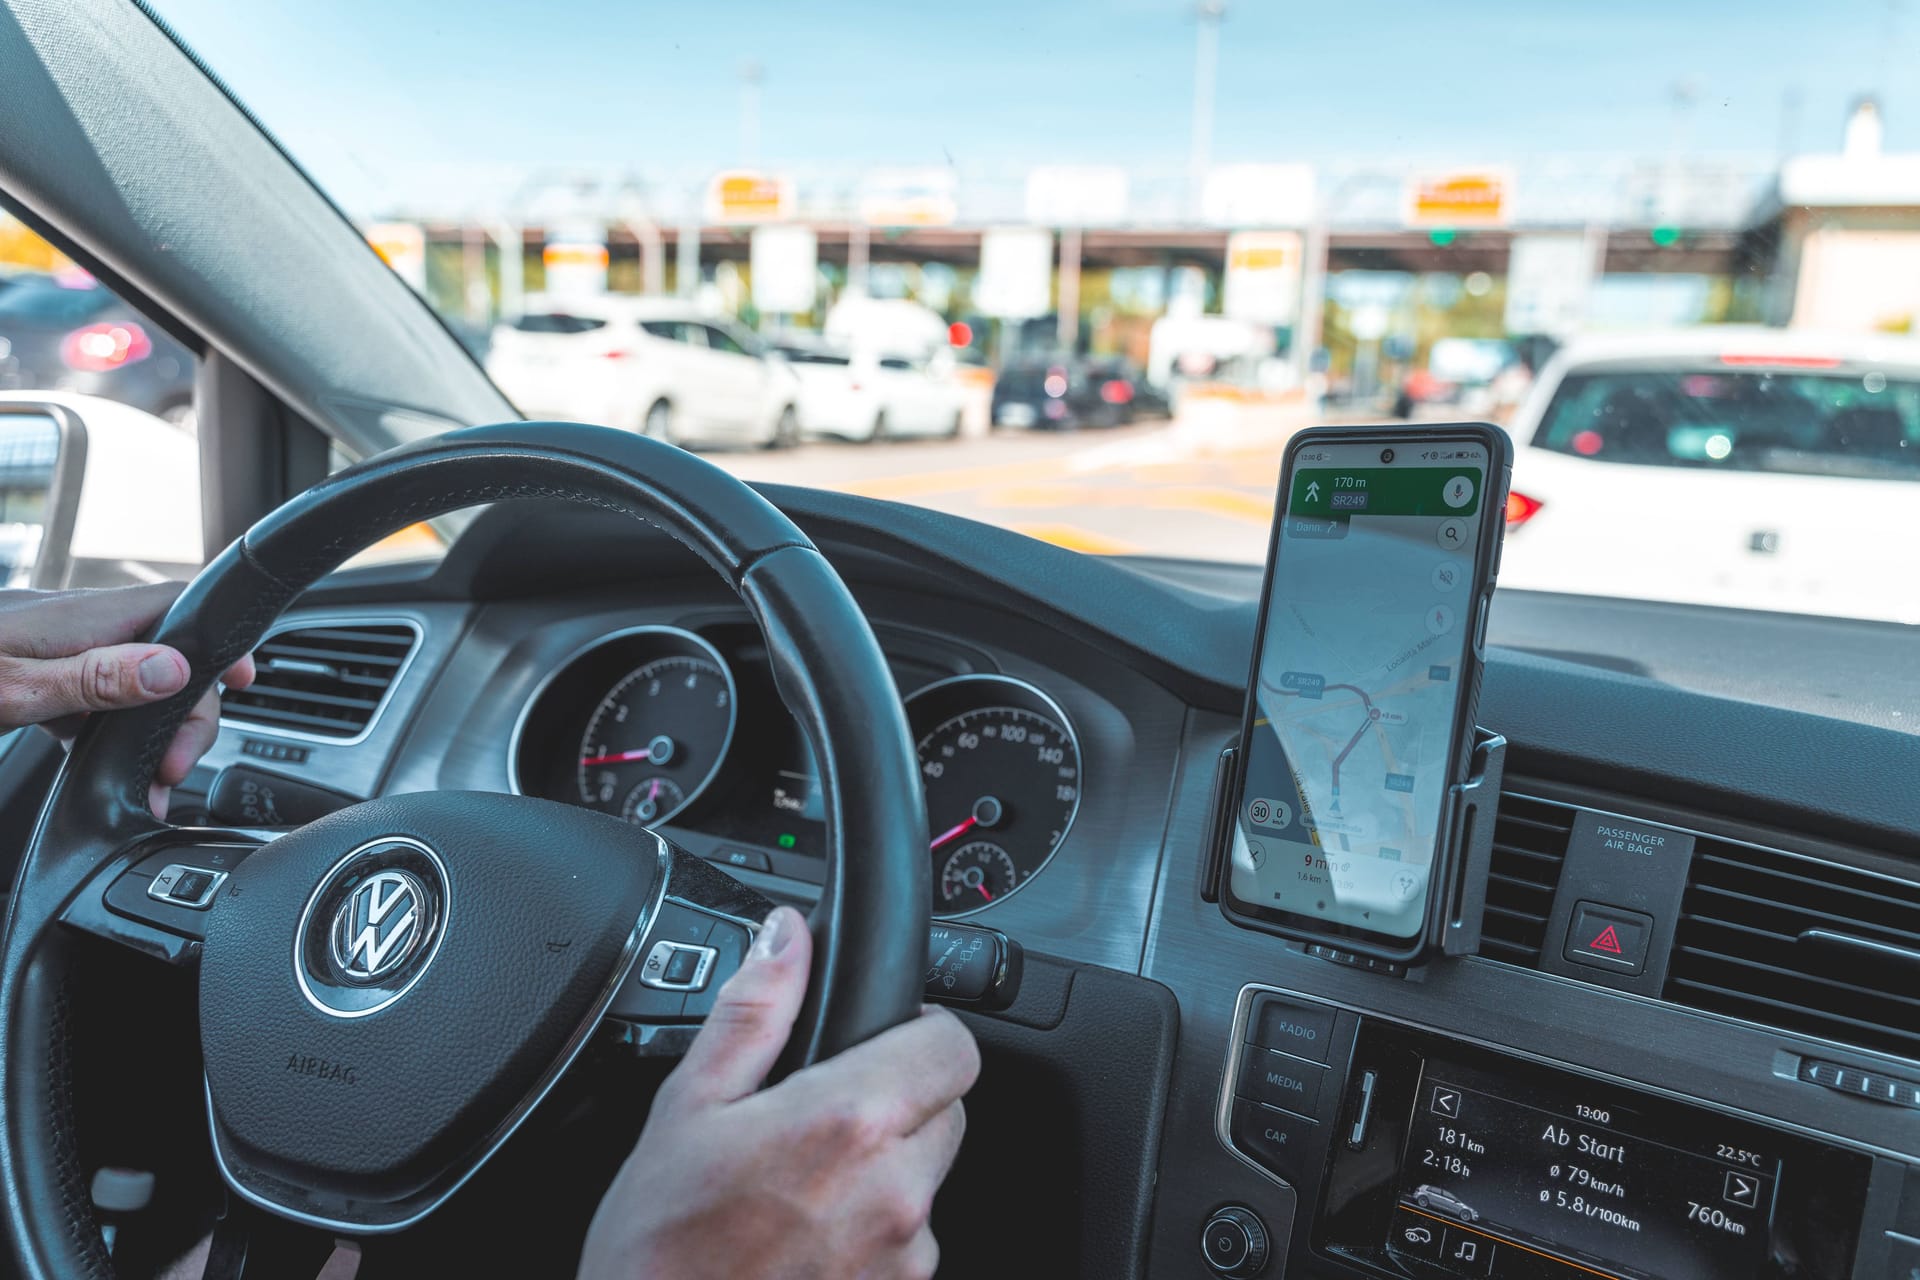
x,y
1280,1081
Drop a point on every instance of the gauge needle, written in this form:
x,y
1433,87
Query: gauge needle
x,y
653,792
983,892
954,832
620,757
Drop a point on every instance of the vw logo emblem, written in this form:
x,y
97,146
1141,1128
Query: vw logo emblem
x,y
379,926
372,927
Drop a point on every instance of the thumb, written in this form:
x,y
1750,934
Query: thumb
x,y
36,690
752,1016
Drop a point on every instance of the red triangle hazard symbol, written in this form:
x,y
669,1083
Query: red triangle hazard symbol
x,y
1608,941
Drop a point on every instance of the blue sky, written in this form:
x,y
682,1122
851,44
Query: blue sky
x,y
408,101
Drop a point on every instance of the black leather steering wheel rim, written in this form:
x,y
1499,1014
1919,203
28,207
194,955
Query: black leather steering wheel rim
x,y
870,926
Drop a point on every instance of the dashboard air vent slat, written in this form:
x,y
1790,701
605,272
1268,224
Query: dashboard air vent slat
x,y
324,681
1755,940
1529,846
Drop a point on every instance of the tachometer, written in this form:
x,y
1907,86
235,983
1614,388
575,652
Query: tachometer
x,y
635,726
1001,770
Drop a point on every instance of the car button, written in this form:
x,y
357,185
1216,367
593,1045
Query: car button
x,y
1303,1030
1607,937
1277,1140
1280,1081
746,859
677,966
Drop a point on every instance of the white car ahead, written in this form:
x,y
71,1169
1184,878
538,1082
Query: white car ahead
x,y
1723,466
861,394
657,365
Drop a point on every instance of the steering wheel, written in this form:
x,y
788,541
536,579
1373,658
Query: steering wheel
x,y
386,993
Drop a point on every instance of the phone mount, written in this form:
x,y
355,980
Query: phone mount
x,y
1459,908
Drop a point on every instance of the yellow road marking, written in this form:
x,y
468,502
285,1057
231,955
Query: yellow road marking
x,y
1074,538
915,484
1249,508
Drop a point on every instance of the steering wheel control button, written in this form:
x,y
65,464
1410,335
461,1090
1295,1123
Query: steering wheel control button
x,y
1234,1242
186,886
245,796
729,943
1280,1081
1607,937
1278,1141
1303,1030
677,966
372,927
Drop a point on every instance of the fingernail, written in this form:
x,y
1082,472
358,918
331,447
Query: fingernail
x,y
775,934
161,674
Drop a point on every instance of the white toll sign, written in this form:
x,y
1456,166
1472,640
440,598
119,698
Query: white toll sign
x,y
575,260
1258,195
1016,273
784,261
1549,278
1077,196
1263,277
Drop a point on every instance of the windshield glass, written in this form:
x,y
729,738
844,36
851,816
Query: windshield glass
x,y
1080,270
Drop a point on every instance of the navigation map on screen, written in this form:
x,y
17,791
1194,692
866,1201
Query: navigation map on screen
x,y
1368,621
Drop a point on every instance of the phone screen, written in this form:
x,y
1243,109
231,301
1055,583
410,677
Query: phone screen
x,y
1352,737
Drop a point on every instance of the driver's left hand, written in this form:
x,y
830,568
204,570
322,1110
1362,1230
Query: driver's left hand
x,y
66,654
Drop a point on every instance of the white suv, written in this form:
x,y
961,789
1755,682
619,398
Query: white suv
x,y
657,365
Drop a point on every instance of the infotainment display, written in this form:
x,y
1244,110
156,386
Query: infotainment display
x,y
1456,1160
1503,1180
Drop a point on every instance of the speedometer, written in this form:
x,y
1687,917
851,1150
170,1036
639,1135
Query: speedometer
x,y
1001,770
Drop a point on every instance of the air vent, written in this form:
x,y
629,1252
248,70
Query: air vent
x,y
1799,943
326,681
1529,846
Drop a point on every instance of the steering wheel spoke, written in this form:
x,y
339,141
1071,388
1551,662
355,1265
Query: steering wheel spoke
x,y
156,895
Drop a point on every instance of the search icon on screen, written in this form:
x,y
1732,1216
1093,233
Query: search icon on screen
x,y
1452,535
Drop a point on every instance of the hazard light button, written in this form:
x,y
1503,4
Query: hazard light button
x,y
1609,937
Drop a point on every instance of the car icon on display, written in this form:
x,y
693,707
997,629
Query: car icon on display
x,y
1419,1235
1432,1197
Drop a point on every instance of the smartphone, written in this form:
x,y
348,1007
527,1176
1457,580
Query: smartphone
x,y
1366,671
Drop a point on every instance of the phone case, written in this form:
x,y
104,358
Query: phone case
x,y
1456,890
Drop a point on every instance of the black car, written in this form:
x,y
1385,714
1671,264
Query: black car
x,y
1061,397
68,332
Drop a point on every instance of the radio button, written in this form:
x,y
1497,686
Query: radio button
x,y
1279,1141
1280,1081
1303,1030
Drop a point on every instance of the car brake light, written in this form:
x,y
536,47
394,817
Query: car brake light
x,y
1784,362
1116,391
1520,508
101,348
618,353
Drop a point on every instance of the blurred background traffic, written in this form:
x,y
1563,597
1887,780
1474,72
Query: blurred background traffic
x,y
1081,272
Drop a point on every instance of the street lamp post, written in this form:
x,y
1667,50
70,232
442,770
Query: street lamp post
x,y
1206,55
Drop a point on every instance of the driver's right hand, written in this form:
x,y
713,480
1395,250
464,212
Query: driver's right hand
x,y
829,1173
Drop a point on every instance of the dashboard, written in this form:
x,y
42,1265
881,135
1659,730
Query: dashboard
x,y
1231,1104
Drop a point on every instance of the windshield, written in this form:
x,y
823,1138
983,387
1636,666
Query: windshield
x,y
1098,261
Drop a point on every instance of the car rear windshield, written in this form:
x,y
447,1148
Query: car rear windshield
x,y
800,355
557,322
46,299
1853,424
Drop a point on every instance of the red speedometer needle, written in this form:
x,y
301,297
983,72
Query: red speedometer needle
x,y
983,891
955,831
620,757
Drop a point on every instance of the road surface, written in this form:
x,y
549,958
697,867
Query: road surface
x,y
1150,488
